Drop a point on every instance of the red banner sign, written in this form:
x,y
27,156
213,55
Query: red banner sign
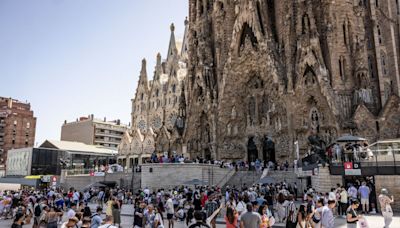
x,y
348,165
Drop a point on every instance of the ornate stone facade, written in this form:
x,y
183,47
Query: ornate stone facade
x,y
263,74
156,110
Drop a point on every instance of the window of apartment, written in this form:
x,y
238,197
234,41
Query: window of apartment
x,y
13,141
15,123
28,125
26,142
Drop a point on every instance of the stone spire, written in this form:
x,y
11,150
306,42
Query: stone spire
x,y
158,68
185,43
143,74
172,50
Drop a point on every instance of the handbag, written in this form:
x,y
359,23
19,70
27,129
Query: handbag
x,y
362,223
315,220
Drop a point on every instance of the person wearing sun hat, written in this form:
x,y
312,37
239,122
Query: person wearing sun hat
x,y
71,223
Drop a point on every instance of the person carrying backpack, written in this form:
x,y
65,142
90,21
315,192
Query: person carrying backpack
x,y
37,212
96,220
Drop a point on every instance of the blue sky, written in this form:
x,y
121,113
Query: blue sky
x,y
72,58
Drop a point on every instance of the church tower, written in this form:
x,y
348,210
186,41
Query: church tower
x,y
140,102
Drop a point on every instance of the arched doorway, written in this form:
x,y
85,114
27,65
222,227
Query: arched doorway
x,y
207,154
252,153
268,150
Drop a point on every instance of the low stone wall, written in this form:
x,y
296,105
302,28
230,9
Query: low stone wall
x,y
155,176
392,184
81,181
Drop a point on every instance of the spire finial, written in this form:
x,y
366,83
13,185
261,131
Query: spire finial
x,y
158,58
172,27
186,21
144,63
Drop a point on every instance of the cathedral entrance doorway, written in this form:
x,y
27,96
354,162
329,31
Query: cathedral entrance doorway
x,y
207,154
252,153
268,150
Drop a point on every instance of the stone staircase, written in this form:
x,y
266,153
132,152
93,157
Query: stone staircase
x,y
240,178
281,176
290,177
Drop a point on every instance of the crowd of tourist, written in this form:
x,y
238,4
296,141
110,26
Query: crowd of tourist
x,y
256,206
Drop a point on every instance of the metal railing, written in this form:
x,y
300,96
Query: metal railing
x,y
383,162
225,177
214,215
87,172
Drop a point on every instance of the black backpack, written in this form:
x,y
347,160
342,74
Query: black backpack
x,y
37,210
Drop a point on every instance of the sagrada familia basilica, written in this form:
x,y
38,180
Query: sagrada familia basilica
x,y
252,77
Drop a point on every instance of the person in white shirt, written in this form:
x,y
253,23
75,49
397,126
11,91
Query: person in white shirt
x,y
170,211
146,192
75,197
241,206
71,212
343,202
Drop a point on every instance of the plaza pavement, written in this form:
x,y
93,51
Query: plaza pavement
x,y
374,221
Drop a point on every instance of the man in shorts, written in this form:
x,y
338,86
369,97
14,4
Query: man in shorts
x,y
364,192
169,204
